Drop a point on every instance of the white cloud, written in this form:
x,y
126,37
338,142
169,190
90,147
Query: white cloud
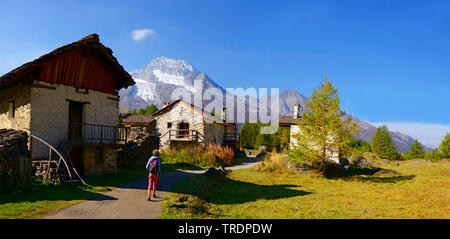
x,y
428,134
141,34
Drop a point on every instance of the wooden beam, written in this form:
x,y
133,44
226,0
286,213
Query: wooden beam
x,y
37,85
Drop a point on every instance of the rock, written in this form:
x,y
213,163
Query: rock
x,y
359,161
386,171
386,161
416,163
397,164
298,169
212,172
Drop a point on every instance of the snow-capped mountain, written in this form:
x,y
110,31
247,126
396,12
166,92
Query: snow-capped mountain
x,y
158,79
162,75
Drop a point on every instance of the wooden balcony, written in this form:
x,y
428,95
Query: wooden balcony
x,y
183,135
83,133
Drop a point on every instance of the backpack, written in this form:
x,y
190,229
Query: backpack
x,y
153,167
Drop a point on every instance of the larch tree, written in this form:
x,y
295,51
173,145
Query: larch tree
x,y
416,150
382,144
324,129
444,147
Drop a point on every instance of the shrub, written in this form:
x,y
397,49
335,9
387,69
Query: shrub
x,y
273,163
209,156
226,154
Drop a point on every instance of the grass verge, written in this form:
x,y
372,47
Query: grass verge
x,y
421,191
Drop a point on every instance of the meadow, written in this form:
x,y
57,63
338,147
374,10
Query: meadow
x,y
422,190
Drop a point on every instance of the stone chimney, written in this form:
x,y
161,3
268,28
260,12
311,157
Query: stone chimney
x,y
224,114
297,111
165,103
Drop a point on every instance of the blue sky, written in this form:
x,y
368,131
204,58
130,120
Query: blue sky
x,y
390,60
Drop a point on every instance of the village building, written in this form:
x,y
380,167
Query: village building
x,y
291,122
139,126
69,99
180,124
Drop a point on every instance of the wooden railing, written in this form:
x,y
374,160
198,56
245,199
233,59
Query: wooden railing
x,y
183,134
83,133
231,138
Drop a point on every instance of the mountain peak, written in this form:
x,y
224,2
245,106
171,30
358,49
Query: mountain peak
x,y
170,65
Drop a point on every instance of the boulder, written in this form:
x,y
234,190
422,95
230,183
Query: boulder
x,y
212,172
359,161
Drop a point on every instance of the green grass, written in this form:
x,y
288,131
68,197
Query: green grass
x,y
44,197
421,191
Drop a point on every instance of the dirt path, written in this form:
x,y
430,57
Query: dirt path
x,y
130,200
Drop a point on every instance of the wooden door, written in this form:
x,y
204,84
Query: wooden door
x,y
75,155
76,116
184,129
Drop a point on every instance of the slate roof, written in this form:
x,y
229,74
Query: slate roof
x,y
138,119
287,121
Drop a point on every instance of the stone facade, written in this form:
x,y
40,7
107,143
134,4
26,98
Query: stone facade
x,y
211,131
99,159
18,99
42,109
50,112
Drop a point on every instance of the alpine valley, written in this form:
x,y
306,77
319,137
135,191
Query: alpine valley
x,y
156,81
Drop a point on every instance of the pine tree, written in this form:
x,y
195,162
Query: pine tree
x,y
245,133
434,155
151,109
444,147
324,129
382,144
416,150
141,112
133,112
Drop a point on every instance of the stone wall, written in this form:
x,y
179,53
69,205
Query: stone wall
x,y
95,163
14,154
137,153
213,133
20,95
138,133
50,112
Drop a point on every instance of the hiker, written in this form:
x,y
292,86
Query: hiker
x,y
153,166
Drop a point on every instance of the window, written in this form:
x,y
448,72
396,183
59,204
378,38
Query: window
x,y
169,125
12,109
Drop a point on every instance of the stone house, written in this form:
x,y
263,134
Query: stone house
x,y
291,122
182,124
69,98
